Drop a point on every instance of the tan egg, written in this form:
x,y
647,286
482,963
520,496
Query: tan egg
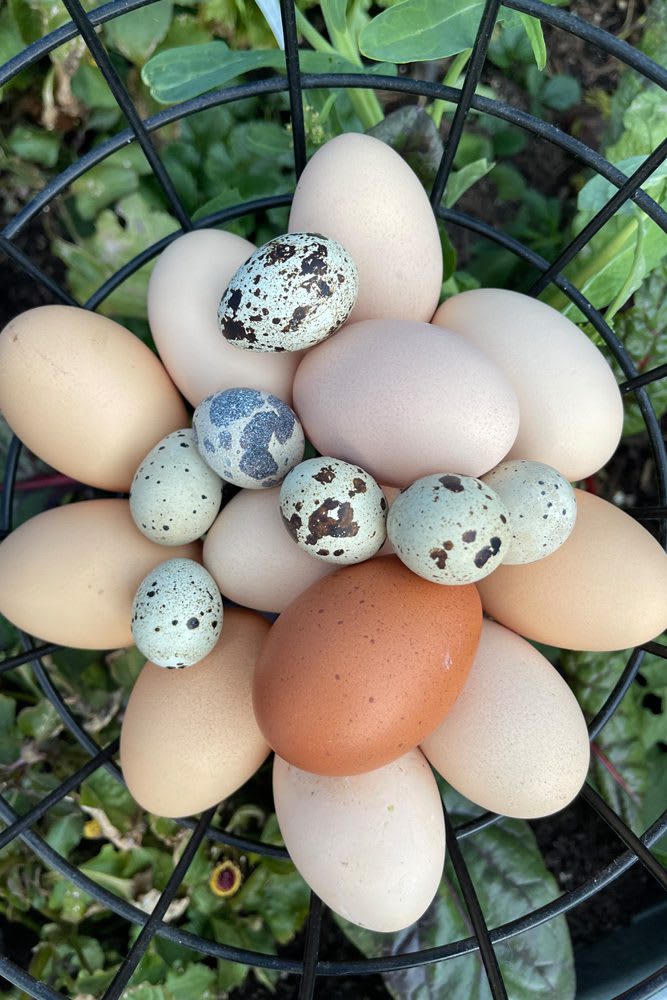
x,y
85,394
372,846
405,400
515,741
69,575
251,557
569,402
184,292
359,191
605,588
189,737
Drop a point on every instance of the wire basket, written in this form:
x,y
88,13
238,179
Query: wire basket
x,y
632,849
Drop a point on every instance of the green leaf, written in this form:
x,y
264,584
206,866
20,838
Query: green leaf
x,y
561,92
90,87
597,191
103,185
643,125
656,796
510,879
65,833
70,901
462,179
27,20
11,41
125,666
138,33
226,198
34,144
271,11
193,982
412,133
7,714
40,722
102,791
533,29
422,30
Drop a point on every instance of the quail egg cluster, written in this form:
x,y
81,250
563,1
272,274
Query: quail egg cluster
x,y
370,473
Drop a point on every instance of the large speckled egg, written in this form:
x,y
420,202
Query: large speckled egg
x,y
252,558
177,614
570,404
605,587
175,495
333,510
405,400
184,293
360,667
69,574
85,394
292,293
516,741
372,846
360,192
189,737
541,504
250,438
449,529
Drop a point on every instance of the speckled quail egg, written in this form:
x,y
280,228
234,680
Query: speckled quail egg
x,y
334,510
177,614
175,496
292,293
449,529
250,438
541,504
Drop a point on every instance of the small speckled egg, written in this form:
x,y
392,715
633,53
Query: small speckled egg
x,y
177,614
334,510
449,529
541,504
292,293
250,438
175,495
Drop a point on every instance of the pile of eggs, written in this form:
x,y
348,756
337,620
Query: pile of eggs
x,y
379,594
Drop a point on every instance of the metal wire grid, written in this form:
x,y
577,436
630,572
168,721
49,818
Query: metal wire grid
x,y
310,967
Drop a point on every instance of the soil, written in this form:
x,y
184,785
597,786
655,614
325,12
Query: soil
x,y
575,843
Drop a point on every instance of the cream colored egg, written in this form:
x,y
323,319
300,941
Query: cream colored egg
x,y
360,192
605,588
85,394
515,741
69,575
371,846
253,559
184,293
405,400
570,404
189,737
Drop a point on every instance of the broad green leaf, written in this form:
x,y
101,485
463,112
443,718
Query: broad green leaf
x,y
125,666
461,180
90,87
412,133
184,30
194,981
334,12
271,11
122,887
137,34
35,144
561,92
65,833
644,125
102,791
11,41
103,185
510,879
7,714
70,901
533,29
27,20
40,722
225,199
597,192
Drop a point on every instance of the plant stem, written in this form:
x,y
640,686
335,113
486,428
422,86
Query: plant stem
x,y
627,287
450,79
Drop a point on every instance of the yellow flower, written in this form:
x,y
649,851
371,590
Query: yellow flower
x,y
92,829
225,879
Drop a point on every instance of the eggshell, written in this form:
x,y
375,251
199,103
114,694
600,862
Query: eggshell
x,y
250,438
189,737
362,666
449,529
371,846
85,394
175,496
570,404
357,190
292,293
516,741
405,400
252,558
333,510
605,588
541,505
69,575
184,293
177,614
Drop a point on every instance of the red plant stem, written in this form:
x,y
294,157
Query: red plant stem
x,y
44,483
616,775
591,485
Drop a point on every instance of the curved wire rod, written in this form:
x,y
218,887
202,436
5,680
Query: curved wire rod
x,y
23,261
623,831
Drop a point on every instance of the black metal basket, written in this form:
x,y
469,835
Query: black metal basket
x,y
636,849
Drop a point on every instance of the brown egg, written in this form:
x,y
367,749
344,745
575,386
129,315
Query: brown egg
x,y
85,394
189,737
605,588
363,665
69,575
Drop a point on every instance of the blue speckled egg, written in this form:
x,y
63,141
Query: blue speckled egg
x,y
250,438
